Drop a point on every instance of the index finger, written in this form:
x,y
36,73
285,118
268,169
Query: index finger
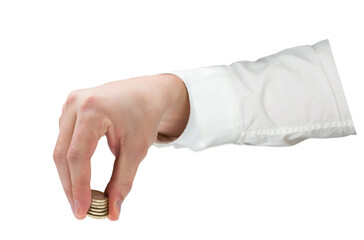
x,y
67,123
83,144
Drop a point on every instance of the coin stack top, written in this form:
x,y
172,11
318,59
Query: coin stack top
x,y
99,205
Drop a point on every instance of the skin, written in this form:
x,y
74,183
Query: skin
x,y
131,114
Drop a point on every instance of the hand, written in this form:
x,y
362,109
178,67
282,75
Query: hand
x,y
130,113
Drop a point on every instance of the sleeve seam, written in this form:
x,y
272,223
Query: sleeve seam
x,y
288,130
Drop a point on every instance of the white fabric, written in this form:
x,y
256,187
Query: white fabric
x,y
278,100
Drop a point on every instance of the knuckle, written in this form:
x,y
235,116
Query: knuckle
x,y
122,187
72,155
139,146
72,96
125,188
142,149
89,102
57,155
80,184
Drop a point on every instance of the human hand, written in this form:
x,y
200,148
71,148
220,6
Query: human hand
x,y
130,113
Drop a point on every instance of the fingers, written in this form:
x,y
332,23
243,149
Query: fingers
x,y
67,122
81,126
83,144
120,184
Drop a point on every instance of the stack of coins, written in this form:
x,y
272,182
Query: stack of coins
x,y
99,205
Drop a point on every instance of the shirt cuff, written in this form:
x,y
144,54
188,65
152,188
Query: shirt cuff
x,y
214,117
278,100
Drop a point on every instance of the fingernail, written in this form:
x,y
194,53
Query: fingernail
x,y
75,208
72,207
118,206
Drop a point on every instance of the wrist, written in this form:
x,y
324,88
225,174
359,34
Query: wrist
x,y
177,109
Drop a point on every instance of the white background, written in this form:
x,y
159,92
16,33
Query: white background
x,y
313,190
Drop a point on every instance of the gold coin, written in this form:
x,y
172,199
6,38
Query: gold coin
x,y
98,209
97,217
98,204
97,213
98,196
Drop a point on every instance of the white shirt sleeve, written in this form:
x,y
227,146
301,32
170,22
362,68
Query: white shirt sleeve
x,y
278,100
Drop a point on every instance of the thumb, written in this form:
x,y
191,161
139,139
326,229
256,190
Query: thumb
x,y
120,184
